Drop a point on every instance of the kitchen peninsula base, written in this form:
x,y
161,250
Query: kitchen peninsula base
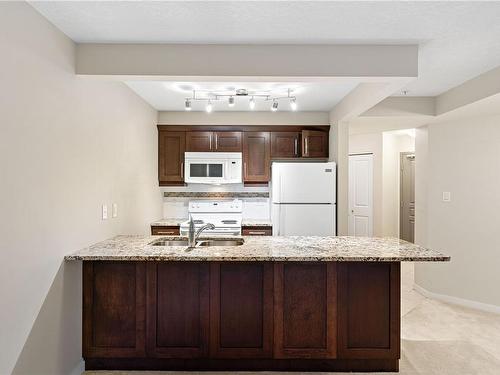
x,y
236,316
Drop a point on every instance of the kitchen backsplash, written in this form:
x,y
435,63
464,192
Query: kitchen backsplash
x,y
256,203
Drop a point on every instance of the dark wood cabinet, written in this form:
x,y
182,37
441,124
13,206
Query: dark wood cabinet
x,y
305,324
178,309
257,231
114,309
171,147
369,310
236,316
314,144
170,230
256,157
199,141
285,144
208,141
228,141
241,310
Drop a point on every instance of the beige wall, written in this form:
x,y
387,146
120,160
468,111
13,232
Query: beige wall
x,y
463,157
243,118
68,144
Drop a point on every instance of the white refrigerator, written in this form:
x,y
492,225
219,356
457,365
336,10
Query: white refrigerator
x,y
303,199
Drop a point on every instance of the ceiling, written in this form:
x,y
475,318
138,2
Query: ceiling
x,y
170,96
458,40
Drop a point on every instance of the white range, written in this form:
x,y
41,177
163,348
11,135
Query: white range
x,y
225,215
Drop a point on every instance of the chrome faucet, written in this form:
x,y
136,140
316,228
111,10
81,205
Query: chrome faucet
x,y
193,236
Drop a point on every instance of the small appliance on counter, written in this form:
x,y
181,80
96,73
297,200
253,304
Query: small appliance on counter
x,y
213,167
304,199
225,215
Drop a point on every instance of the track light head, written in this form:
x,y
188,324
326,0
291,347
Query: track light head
x,y
293,104
187,105
274,107
231,101
252,103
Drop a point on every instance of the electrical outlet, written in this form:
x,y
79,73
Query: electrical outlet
x,y
115,210
446,196
104,211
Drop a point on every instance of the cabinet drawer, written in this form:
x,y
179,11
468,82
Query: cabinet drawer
x,y
172,230
257,231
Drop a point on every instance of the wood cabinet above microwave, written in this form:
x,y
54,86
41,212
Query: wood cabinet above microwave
x,y
216,141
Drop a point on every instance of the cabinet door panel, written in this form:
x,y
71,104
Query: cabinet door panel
x,y
256,156
241,310
178,308
284,144
369,320
171,147
305,310
113,309
314,144
228,141
199,141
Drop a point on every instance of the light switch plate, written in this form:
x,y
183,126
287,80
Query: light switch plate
x,y
446,196
115,210
104,211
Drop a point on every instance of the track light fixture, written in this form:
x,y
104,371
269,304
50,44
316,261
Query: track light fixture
x,y
231,95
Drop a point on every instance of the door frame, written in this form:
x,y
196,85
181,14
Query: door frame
x,y
370,229
401,156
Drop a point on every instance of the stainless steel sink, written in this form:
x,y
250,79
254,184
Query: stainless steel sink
x,y
199,243
236,242
163,242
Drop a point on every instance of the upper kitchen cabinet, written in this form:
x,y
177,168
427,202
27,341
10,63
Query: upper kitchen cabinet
x,y
284,144
199,141
256,157
223,141
171,147
228,141
314,144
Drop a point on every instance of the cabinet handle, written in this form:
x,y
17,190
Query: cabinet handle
x,y
163,232
296,147
306,148
210,146
216,142
257,232
182,169
245,169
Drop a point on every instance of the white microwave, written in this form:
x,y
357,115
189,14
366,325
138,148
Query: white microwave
x,y
212,167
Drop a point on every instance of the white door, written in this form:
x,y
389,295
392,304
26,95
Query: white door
x,y
361,195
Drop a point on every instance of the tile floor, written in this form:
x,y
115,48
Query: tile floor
x,y
437,339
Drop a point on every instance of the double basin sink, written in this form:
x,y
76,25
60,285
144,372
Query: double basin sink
x,y
199,243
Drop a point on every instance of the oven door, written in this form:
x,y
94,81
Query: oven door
x,y
205,171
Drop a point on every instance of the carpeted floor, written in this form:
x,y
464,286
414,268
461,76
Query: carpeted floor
x,y
437,339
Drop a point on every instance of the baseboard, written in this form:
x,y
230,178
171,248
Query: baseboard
x,y
458,301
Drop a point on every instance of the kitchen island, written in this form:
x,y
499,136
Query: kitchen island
x,y
272,303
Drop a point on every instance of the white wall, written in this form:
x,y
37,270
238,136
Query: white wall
x,y
243,118
68,144
463,157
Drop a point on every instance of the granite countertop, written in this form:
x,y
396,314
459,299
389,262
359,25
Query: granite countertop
x,y
245,223
263,248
